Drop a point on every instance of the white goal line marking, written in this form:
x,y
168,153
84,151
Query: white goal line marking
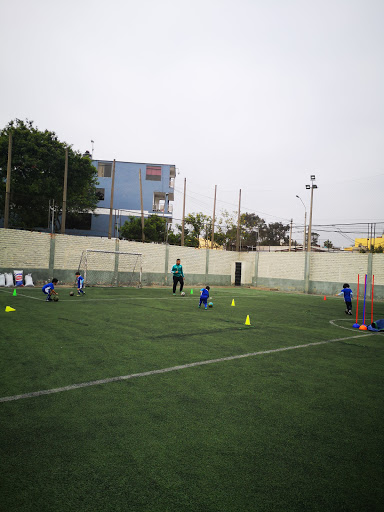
x,y
166,370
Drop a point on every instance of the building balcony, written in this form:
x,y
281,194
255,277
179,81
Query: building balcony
x,y
159,207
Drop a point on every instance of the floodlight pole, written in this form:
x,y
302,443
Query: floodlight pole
x,y
305,222
312,186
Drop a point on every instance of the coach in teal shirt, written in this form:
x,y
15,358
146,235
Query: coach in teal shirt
x,y
178,276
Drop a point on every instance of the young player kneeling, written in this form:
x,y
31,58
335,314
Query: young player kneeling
x,y
49,289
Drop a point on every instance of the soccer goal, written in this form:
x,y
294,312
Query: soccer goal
x,y
111,268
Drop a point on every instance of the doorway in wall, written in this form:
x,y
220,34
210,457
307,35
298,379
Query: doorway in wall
x,y
238,273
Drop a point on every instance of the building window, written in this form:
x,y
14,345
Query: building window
x,y
153,173
79,221
100,192
104,170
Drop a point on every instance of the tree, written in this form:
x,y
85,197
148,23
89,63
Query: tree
x,y
328,244
37,176
154,229
315,238
253,229
276,234
378,249
226,229
196,226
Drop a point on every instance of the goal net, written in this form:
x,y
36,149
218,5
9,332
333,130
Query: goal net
x,y
111,268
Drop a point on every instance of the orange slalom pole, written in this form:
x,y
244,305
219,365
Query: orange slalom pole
x,y
357,297
373,286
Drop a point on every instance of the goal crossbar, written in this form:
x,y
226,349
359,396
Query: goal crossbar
x,y
111,268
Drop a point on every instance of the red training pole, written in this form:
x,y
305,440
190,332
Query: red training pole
x,y
373,286
357,297
365,297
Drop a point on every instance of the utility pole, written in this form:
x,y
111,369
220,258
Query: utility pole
x,y
142,209
312,186
290,236
8,184
238,225
64,211
53,216
166,203
183,222
111,205
213,221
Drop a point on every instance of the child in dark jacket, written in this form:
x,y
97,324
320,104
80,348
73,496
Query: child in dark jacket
x,y
348,294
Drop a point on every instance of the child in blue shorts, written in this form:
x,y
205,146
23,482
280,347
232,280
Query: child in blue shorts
x,y
204,296
80,284
49,289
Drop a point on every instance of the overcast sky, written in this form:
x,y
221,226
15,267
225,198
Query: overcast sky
x,y
254,95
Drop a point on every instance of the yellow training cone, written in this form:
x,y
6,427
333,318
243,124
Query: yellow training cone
x,y
233,302
8,309
247,321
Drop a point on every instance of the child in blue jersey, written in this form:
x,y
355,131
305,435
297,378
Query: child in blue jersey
x,y
49,289
348,294
80,284
204,296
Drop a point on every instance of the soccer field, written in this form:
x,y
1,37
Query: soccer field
x,y
136,400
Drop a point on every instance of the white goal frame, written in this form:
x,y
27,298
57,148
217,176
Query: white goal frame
x,y
84,265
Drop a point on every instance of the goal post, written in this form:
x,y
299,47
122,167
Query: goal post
x,y
111,268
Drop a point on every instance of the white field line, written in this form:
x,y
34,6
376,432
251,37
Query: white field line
x,y
187,296
21,295
167,370
353,329
88,299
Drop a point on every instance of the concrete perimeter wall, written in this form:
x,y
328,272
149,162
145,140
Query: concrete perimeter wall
x,y
47,256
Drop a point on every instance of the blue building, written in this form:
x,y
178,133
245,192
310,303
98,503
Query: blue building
x,y
158,181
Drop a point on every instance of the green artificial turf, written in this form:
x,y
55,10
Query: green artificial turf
x,y
300,429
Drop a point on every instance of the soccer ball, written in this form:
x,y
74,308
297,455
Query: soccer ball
x,y
210,304
71,294
182,294
55,298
